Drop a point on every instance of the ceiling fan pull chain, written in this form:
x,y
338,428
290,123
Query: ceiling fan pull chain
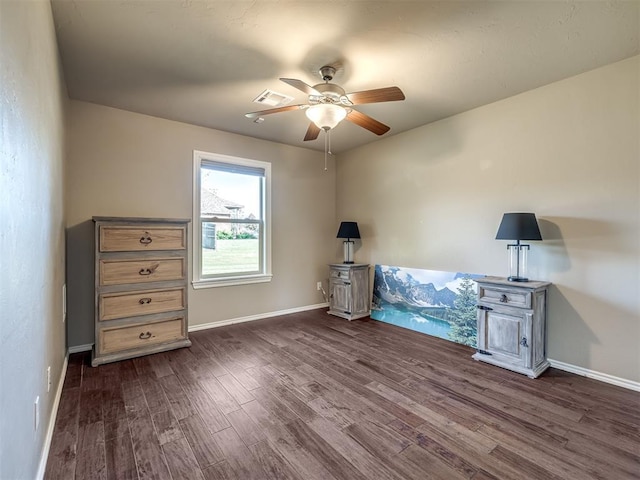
x,y
326,135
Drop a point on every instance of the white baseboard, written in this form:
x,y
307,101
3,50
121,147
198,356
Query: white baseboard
x,y
52,422
603,377
251,318
81,348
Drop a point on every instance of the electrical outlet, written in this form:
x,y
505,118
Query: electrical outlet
x,y
48,378
64,302
36,413
319,286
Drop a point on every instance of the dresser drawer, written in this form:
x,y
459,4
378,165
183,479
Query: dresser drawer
x,y
114,272
510,297
119,305
127,239
117,339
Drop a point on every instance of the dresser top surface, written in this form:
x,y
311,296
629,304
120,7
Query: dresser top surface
x,y
140,220
348,265
502,281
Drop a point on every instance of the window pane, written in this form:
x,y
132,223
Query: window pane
x,y
230,248
230,195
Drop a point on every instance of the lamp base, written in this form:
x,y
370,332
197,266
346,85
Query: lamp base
x,y
348,251
517,279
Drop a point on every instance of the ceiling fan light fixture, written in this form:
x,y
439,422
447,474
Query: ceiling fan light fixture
x,y
326,115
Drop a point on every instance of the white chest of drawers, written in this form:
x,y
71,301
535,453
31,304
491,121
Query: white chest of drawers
x,y
140,287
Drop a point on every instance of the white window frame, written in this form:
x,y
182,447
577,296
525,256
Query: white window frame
x,y
198,281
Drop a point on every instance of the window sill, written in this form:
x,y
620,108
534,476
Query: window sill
x,y
230,281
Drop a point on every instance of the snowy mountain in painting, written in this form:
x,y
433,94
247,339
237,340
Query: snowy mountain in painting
x,y
395,285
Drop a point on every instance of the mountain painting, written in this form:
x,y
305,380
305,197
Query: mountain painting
x,y
437,303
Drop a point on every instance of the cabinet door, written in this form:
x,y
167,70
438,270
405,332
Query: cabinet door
x,y
506,336
341,296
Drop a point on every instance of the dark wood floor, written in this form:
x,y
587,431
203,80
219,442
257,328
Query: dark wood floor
x,y
310,396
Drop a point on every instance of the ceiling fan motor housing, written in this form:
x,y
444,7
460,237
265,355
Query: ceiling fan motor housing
x,y
330,91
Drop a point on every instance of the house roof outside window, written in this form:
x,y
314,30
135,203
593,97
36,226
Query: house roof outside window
x,y
214,206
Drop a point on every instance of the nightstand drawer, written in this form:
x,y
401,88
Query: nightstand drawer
x,y
120,305
114,272
127,239
511,297
117,339
339,273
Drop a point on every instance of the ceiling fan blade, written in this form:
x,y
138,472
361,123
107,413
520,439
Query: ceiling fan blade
x,y
387,94
312,132
365,121
274,110
300,85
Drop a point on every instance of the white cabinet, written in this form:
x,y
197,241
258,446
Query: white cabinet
x,y
512,325
349,290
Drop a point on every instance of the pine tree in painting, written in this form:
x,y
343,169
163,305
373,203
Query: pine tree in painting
x,y
463,316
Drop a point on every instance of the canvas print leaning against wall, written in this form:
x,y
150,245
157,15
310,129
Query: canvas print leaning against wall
x,y
428,301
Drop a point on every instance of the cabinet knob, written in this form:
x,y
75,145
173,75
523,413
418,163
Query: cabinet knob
x,y
523,342
504,298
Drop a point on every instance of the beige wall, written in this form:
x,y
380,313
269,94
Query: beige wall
x,y
433,198
126,164
32,101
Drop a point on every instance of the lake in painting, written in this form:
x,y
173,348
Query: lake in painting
x,y
419,323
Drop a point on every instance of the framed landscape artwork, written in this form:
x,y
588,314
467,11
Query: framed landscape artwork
x,y
437,303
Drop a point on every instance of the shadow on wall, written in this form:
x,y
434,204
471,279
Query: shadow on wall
x,y
587,236
80,284
556,258
568,336
571,336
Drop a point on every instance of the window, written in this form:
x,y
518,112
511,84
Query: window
x,y
231,220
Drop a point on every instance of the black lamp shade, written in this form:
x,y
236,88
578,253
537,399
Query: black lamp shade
x,y
519,226
348,230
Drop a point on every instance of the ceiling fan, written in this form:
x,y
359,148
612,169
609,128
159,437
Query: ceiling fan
x,y
329,104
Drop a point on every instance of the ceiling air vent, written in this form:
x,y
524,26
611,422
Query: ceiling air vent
x,y
273,99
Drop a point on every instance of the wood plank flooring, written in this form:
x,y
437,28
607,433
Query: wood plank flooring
x,y
314,397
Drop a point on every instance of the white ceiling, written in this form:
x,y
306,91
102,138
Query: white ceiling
x,y
203,62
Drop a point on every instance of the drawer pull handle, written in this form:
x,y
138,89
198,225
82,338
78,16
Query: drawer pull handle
x,y
504,298
146,240
144,336
142,301
482,307
148,271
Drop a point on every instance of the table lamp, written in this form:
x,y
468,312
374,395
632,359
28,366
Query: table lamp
x,y
518,226
348,230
